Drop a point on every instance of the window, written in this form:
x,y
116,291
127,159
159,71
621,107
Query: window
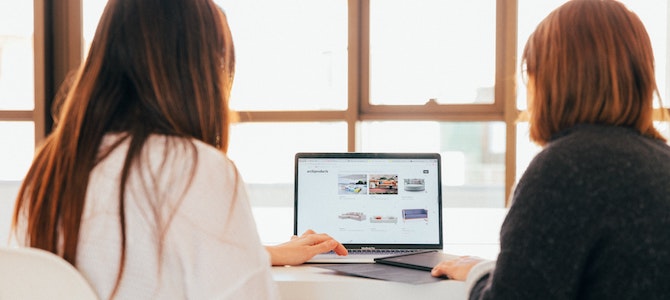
x,y
17,88
376,75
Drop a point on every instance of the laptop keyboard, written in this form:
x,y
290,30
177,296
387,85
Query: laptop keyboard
x,y
381,251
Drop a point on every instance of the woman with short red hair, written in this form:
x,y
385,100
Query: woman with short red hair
x,y
589,218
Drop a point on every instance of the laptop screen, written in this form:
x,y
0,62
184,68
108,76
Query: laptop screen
x,y
390,200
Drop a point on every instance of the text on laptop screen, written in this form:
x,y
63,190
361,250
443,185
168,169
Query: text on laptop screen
x,y
389,200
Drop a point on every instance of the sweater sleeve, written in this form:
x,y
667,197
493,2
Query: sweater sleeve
x,y
478,277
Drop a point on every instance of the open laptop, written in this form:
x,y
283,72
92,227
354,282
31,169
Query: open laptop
x,y
375,204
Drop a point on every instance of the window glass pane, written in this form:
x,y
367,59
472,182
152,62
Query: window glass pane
x,y
473,155
432,49
530,13
290,54
92,10
17,152
663,128
282,63
264,153
17,84
654,17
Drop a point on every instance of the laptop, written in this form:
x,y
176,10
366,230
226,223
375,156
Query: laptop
x,y
375,204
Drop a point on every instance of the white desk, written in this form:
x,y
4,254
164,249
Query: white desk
x,y
467,231
306,282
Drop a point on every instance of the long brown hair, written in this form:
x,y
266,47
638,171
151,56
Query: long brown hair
x,y
590,61
154,67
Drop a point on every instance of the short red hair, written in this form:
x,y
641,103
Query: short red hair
x,y
590,61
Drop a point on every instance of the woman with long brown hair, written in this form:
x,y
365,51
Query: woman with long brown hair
x,y
589,217
133,186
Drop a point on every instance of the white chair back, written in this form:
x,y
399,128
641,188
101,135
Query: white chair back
x,y
30,273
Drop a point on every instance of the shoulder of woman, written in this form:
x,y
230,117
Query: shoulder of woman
x,y
178,150
213,158
183,164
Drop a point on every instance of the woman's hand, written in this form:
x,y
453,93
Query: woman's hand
x,y
301,248
456,269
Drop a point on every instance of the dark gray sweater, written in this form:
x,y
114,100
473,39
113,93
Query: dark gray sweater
x,y
590,219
